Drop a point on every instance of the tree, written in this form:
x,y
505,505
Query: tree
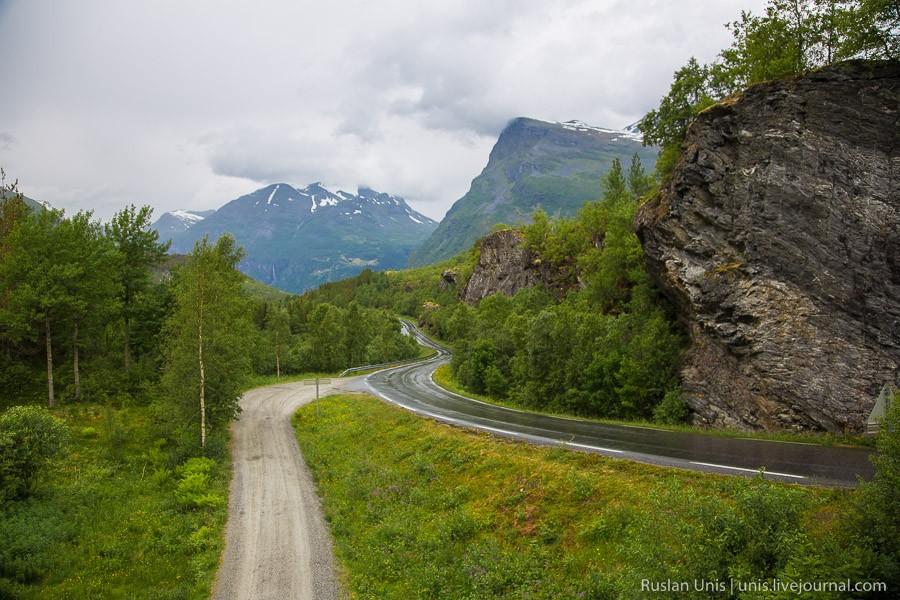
x,y
37,273
139,251
279,330
789,38
639,183
205,350
92,288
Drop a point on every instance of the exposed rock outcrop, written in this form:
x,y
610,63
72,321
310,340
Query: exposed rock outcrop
x,y
778,239
448,279
506,265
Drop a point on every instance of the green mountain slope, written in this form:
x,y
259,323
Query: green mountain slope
x,y
555,166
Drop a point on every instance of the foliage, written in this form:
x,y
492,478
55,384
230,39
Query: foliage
x,y
789,38
205,347
607,350
102,527
672,409
193,489
29,438
877,526
420,509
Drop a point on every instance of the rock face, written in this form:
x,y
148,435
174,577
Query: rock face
x,y
506,265
778,240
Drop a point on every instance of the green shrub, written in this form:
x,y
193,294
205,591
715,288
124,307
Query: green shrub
x,y
672,409
193,488
877,523
29,438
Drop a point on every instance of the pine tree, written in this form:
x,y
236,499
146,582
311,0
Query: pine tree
x,y
139,251
92,288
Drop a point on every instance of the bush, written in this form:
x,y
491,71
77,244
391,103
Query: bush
x,y
672,409
877,524
29,438
193,488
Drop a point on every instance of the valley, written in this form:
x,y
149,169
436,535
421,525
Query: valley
x,y
650,360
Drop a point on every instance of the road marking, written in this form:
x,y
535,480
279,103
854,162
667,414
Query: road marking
x,y
747,470
601,448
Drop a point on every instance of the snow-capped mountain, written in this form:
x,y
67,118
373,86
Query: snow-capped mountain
x,y
296,238
177,221
631,132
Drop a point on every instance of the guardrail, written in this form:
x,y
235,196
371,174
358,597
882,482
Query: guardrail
x,y
411,330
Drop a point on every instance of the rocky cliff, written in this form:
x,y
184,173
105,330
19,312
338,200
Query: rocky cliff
x,y
778,239
506,265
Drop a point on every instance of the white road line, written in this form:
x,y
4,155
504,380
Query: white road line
x,y
601,448
747,470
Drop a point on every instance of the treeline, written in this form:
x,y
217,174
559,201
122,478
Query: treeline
x,y
325,338
790,38
98,312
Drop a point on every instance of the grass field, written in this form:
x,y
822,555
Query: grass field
x,y
419,509
443,376
105,521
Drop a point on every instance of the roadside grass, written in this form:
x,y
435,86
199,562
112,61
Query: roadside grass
x,y
255,381
419,509
105,522
443,376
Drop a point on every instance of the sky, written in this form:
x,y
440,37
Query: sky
x,y
190,104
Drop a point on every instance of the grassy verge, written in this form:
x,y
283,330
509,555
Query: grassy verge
x,y
260,380
443,376
422,510
105,522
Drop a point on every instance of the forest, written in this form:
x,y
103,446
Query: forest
x,y
139,359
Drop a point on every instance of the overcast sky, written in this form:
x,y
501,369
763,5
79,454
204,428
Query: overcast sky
x,y
189,104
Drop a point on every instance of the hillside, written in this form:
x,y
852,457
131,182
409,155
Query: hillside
x,y
555,166
296,238
30,203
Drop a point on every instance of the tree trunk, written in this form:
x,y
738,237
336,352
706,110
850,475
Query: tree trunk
x,y
127,347
277,359
76,374
202,377
51,400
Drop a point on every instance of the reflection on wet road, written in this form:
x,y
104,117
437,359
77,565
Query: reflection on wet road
x,y
412,387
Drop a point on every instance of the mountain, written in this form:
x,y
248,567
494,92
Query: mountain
x,y
178,221
296,239
30,203
556,166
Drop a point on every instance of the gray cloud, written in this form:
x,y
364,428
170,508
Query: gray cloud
x,y
187,105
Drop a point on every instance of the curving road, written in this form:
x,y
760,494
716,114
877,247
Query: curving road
x,y
412,387
277,544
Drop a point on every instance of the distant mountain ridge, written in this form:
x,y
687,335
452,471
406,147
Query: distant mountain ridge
x,y
297,238
172,223
29,202
555,166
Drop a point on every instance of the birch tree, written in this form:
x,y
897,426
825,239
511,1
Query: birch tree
x,y
206,338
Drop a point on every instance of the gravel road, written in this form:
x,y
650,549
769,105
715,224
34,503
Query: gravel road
x,y
277,542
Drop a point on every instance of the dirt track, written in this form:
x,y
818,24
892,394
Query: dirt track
x,y
277,543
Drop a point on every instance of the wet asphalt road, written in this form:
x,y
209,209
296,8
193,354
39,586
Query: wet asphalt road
x,y
412,387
